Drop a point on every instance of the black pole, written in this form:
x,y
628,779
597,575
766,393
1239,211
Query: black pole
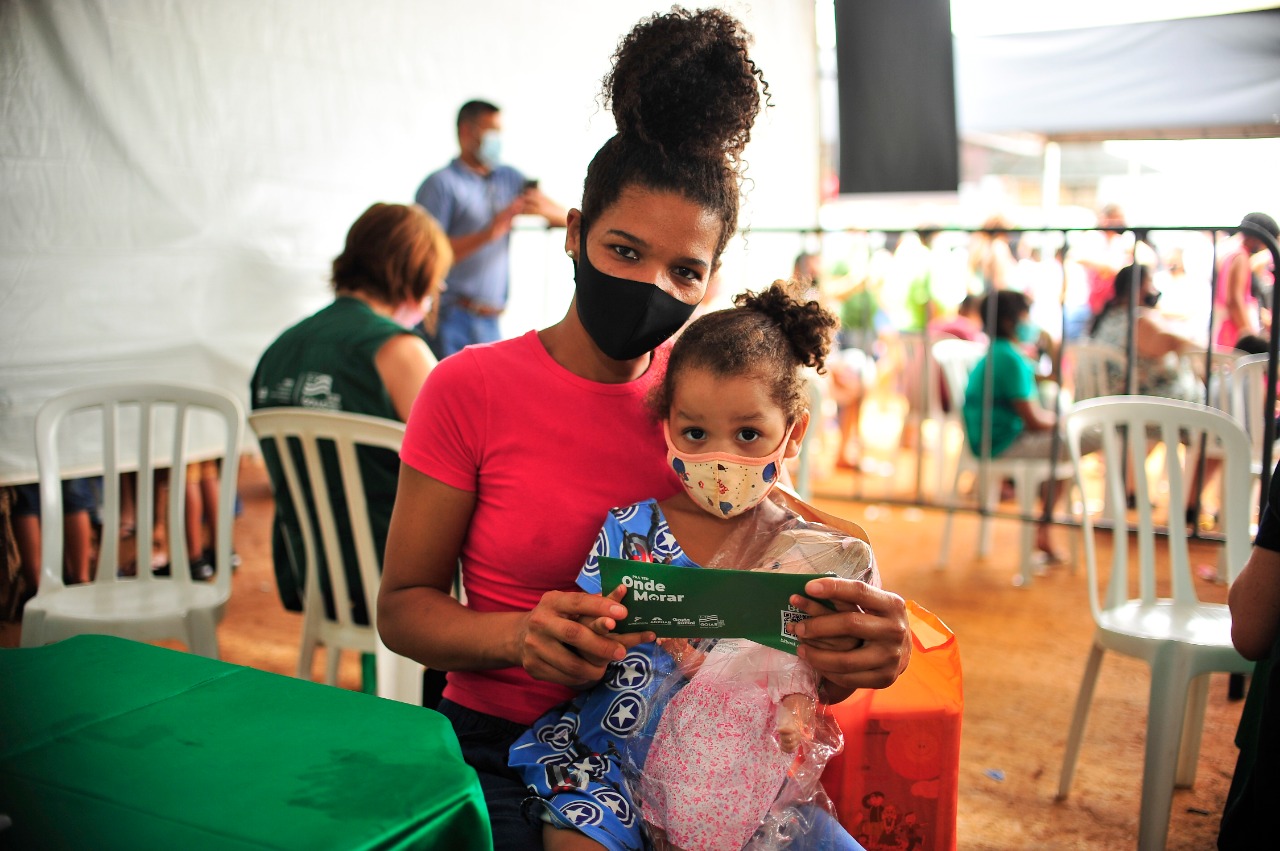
x,y
1055,440
1273,348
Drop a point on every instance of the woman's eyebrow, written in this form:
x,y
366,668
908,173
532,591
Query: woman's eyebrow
x,y
629,237
640,243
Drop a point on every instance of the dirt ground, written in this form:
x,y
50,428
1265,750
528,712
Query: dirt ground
x,y
1023,651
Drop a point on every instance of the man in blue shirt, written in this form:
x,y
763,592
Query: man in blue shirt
x,y
475,198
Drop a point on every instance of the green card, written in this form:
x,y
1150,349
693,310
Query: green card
x,y
702,602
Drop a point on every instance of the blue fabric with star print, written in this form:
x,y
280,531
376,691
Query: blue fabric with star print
x,y
571,757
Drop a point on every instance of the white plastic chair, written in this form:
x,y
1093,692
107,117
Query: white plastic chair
x,y
1248,403
1094,364
1180,637
922,384
956,359
1095,367
398,678
144,607
1218,378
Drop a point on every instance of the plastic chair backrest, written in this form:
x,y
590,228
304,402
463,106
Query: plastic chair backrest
x,y
346,432
920,375
1096,368
1218,377
1249,398
163,412
956,359
1134,420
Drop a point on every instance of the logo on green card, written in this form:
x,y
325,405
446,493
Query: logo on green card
x,y
689,602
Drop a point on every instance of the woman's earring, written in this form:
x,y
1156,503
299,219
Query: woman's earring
x,y
569,253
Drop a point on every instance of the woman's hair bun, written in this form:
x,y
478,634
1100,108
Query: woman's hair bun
x,y
684,82
807,325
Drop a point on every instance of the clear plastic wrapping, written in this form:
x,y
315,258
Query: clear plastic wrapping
x,y
738,734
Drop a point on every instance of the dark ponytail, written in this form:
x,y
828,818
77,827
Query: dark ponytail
x,y
684,93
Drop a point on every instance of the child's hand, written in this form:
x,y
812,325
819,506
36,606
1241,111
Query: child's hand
x,y
794,720
864,643
603,626
607,625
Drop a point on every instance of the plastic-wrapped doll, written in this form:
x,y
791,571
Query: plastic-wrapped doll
x,y
735,759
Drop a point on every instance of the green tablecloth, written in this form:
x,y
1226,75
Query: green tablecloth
x,y
107,743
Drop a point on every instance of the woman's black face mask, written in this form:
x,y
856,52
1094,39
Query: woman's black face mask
x,y
625,318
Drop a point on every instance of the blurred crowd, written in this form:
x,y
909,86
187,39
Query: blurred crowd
x,y
897,292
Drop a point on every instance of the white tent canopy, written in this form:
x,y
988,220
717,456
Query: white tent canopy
x,y
1215,76
177,174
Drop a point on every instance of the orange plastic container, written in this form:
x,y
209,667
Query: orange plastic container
x,y
896,783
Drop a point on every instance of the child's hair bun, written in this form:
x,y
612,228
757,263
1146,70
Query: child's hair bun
x,y
808,326
684,83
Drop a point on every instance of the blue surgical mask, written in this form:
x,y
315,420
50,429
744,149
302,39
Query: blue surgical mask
x,y
490,151
1027,332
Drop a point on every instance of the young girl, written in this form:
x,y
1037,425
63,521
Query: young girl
x,y
733,408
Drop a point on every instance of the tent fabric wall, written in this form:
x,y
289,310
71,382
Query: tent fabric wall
x,y
1216,75
176,175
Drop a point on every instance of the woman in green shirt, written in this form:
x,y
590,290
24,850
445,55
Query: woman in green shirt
x,y
351,356
1020,426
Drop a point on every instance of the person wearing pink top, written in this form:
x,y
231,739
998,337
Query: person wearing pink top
x,y
516,449
1236,310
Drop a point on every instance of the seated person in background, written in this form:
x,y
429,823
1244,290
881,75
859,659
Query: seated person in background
x,y
1160,372
351,356
1160,369
1020,427
966,324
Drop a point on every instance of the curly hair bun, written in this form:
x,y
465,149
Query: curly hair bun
x,y
683,81
808,326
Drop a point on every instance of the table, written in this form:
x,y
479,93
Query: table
x,y
107,744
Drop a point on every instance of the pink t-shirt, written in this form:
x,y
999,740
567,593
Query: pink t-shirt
x,y
547,454
1228,331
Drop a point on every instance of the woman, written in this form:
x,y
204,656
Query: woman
x,y
516,451
1159,372
1020,426
991,258
351,356
1237,313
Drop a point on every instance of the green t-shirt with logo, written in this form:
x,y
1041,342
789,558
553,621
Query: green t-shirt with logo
x,y
326,362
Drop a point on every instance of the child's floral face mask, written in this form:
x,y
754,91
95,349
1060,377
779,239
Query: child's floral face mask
x,y
725,484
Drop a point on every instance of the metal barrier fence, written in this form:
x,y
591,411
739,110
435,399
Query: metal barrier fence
x,y
1184,259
